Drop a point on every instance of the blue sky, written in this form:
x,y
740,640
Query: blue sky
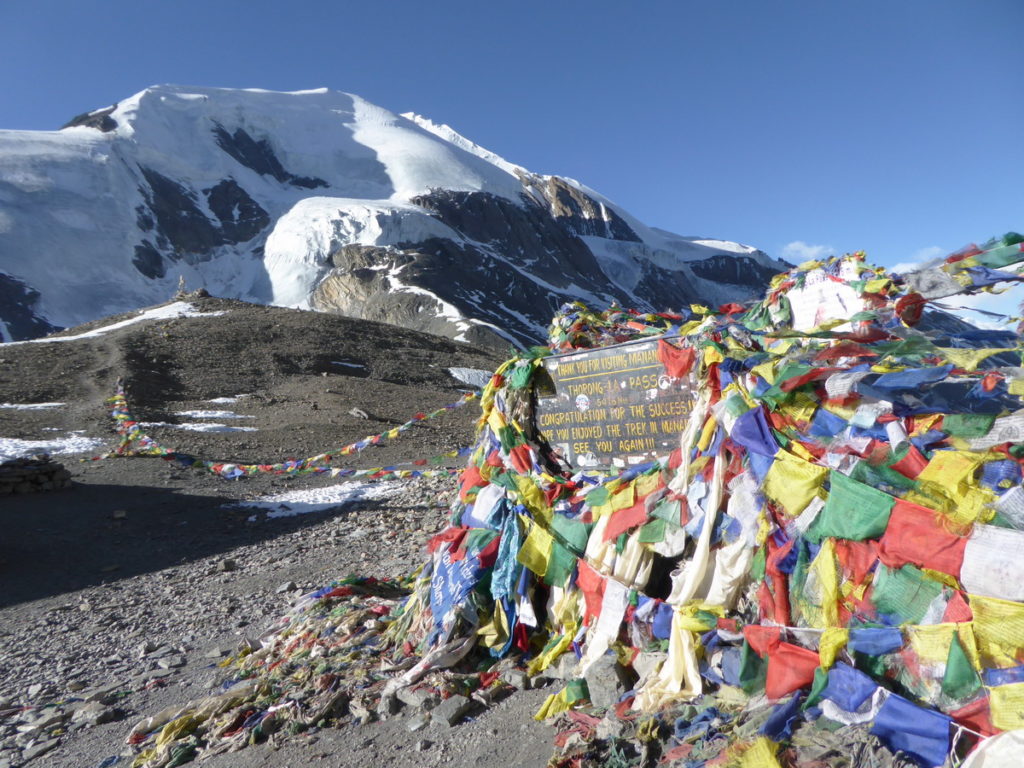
x,y
799,127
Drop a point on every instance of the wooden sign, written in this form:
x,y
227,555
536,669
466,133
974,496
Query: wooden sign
x,y
613,406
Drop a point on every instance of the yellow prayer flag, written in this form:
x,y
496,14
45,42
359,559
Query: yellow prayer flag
x,y
707,434
1006,704
536,550
998,630
646,484
844,412
825,568
931,641
760,754
555,704
833,640
533,499
765,370
624,499
968,359
802,407
494,632
712,355
792,482
545,659
799,451
948,483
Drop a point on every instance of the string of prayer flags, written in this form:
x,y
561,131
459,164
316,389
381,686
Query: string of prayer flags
x,y
135,442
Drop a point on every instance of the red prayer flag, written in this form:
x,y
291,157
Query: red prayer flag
x,y
591,583
915,535
975,716
957,610
912,464
762,639
624,519
790,667
677,360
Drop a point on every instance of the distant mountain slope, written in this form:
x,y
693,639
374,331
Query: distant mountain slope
x,y
320,199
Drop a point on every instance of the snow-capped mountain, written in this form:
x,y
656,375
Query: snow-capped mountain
x,y
322,200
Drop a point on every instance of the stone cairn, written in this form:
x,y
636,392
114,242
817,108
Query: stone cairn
x,y
36,474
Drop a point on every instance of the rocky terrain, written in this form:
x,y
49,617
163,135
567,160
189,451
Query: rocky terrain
x,y
123,592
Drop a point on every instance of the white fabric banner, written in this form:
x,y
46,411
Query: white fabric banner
x,y
1008,429
1011,506
994,563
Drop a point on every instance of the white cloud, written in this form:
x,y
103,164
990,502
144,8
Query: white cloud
x,y
919,258
798,251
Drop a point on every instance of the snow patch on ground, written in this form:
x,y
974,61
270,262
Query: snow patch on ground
x,y
31,406
198,426
13,448
170,311
475,377
306,501
212,415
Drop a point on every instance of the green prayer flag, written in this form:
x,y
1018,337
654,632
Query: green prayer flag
x,y
621,542
873,666
575,690
520,376
758,565
561,564
903,592
968,424
882,476
509,438
571,533
817,688
653,531
753,670
961,679
853,511
1001,256
667,510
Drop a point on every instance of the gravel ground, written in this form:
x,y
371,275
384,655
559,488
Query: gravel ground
x,y
123,593
79,667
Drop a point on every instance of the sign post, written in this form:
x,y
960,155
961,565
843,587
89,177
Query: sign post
x,y
613,406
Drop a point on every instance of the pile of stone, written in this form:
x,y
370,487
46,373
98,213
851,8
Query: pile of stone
x,y
33,475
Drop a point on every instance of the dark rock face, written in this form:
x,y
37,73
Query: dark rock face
x,y
180,222
241,217
527,234
148,261
100,120
183,231
487,275
740,270
487,284
668,290
577,212
17,304
259,156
